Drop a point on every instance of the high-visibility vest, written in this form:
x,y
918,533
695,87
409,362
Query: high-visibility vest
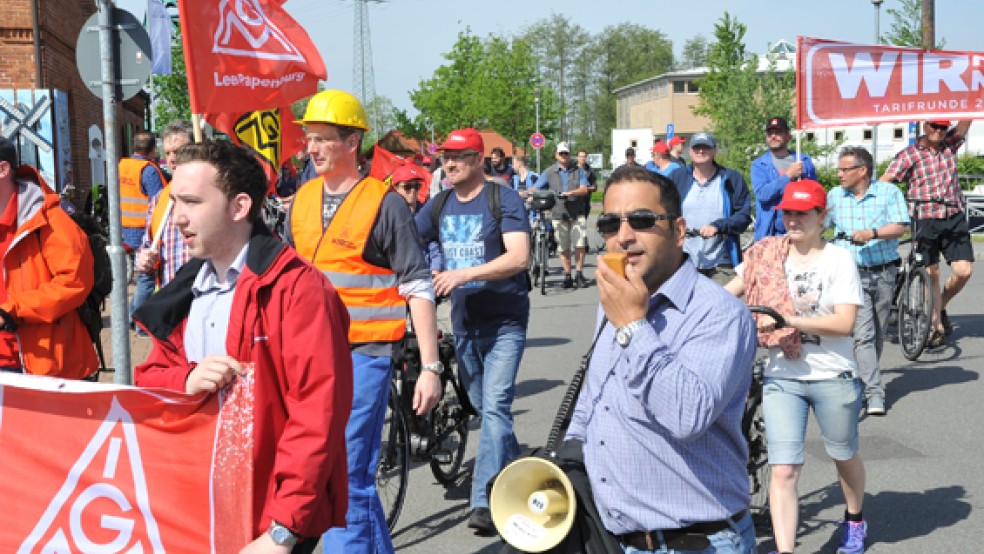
x,y
376,309
133,202
163,199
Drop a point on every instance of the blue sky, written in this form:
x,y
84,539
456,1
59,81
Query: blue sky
x,y
410,36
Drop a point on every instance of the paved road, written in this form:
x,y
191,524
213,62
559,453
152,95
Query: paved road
x,y
924,477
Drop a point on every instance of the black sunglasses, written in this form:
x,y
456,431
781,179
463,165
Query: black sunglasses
x,y
639,220
939,127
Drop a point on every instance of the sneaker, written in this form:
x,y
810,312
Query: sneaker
x,y
852,537
481,521
876,406
580,281
568,282
947,325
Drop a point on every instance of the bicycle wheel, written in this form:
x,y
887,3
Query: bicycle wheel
x,y
915,313
759,470
753,427
544,256
392,470
535,257
450,432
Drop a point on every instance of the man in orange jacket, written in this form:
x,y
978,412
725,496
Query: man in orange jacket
x,y
47,273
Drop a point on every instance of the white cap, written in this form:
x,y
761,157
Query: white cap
x,y
562,148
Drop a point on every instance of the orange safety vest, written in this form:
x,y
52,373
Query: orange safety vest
x,y
133,202
163,199
376,309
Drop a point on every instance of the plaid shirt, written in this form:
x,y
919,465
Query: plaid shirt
x,y
931,176
882,204
172,250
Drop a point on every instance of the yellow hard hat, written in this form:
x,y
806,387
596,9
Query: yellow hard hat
x,y
336,107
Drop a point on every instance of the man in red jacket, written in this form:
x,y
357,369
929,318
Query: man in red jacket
x,y
246,297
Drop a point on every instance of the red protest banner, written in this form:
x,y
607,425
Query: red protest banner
x,y
245,55
99,468
839,83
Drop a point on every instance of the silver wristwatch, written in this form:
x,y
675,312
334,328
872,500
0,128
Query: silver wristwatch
x,y
623,335
282,535
436,367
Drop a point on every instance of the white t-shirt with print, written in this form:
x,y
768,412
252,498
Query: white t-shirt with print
x,y
832,279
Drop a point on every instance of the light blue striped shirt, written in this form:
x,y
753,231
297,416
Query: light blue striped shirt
x,y
883,203
211,308
661,418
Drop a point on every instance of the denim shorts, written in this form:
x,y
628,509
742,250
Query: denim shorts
x,y
836,404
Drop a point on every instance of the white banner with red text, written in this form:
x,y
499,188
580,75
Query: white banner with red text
x,y
839,84
90,467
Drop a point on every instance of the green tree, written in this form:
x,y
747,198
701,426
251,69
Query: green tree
x,y
559,46
737,97
906,28
694,53
487,84
171,91
617,56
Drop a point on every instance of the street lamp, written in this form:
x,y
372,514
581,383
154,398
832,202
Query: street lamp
x,y
874,127
536,100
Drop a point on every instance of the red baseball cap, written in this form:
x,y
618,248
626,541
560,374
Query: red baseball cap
x,y
940,122
661,147
677,139
409,172
802,196
464,139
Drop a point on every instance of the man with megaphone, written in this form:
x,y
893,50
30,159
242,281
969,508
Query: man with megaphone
x,y
659,415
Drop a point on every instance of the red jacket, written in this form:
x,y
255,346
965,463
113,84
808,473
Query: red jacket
x,y
288,320
48,273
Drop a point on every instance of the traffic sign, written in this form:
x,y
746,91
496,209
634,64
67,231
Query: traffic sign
x,y
669,131
133,54
432,147
537,140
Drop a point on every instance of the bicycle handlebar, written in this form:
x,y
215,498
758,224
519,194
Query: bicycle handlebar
x,y
844,236
780,321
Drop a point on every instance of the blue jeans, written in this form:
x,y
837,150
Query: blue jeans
x,y
365,530
786,406
740,539
488,367
146,282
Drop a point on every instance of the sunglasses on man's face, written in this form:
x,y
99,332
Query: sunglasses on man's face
x,y
639,220
939,127
409,186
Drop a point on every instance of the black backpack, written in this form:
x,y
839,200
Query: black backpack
x,y
91,309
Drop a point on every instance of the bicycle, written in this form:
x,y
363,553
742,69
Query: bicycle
x,y
753,428
542,201
912,298
439,437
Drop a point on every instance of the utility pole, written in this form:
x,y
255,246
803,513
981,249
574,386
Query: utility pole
x,y
874,128
928,24
118,300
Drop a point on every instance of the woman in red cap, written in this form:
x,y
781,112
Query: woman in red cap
x,y
816,288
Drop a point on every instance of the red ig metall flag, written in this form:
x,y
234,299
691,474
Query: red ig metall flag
x,y
246,55
839,84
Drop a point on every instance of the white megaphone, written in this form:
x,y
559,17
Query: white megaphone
x,y
532,504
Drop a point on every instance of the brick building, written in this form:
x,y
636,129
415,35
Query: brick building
x,y
48,30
